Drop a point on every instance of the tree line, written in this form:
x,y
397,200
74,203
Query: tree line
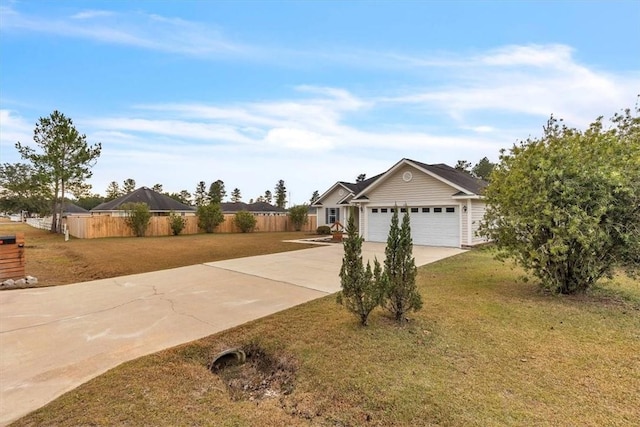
x,y
203,194
60,164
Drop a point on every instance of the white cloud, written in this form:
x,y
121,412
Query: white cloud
x,y
298,139
548,56
531,80
135,29
188,130
13,128
89,14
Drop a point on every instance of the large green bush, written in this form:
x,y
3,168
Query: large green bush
x,y
177,223
566,206
299,216
209,217
137,217
245,221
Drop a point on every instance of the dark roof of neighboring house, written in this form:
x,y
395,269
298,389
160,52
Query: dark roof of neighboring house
x,y
455,176
70,208
250,207
157,202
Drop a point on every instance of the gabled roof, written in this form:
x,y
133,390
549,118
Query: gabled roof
x,y
157,202
459,180
462,179
250,207
352,188
333,187
359,186
71,208
466,184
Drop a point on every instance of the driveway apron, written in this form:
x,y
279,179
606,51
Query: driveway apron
x,y
54,339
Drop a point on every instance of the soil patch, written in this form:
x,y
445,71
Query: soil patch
x,y
263,375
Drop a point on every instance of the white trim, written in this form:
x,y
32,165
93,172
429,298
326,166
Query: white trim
x,y
460,236
468,196
469,223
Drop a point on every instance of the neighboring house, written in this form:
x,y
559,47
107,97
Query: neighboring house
x,y
159,204
445,204
257,208
72,209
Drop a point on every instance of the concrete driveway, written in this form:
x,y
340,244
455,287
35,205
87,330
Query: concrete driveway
x,y
54,339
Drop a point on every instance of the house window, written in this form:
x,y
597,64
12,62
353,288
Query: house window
x,y
332,215
384,210
403,210
450,210
374,210
426,210
437,210
393,210
414,210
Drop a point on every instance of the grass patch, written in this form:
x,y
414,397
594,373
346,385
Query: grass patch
x,y
56,262
485,350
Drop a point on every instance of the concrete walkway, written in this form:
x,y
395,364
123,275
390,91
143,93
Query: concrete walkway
x,y
54,339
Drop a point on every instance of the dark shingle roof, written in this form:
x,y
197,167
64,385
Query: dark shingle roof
x,y
70,208
455,176
250,207
359,186
157,202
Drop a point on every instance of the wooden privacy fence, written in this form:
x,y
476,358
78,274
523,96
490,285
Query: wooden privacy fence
x,y
94,227
12,258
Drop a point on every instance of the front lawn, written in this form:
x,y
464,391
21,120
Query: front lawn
x,y
56,262
485,350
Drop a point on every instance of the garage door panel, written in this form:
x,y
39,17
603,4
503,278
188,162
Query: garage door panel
x,y
431,226
379,224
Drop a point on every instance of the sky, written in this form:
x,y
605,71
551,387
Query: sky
x,y
313,92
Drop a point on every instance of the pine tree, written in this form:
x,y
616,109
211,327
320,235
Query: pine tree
x,y
401,293
217,193
128,185
281,194
236,196
63,156
201,197
113,191
362,288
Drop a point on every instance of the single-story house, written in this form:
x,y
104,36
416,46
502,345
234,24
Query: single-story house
x,y
159,204
445,205
257,208
69,208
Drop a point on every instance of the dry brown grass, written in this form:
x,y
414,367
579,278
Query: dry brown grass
x,y
56,262
485,350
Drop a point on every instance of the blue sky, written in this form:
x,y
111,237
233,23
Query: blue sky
x,y
308,92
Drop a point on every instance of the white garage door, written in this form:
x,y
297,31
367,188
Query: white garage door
x,y
430,225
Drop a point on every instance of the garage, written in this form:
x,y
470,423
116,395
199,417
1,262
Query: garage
x,y
430,225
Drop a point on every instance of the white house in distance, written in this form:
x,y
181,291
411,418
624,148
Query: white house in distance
x,y
445,204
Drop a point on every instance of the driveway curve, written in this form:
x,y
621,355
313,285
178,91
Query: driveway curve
x,y
54,339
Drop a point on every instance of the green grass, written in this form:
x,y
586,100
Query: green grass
x,y
485,350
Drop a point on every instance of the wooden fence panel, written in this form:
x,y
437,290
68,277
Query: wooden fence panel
x,y
94,227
